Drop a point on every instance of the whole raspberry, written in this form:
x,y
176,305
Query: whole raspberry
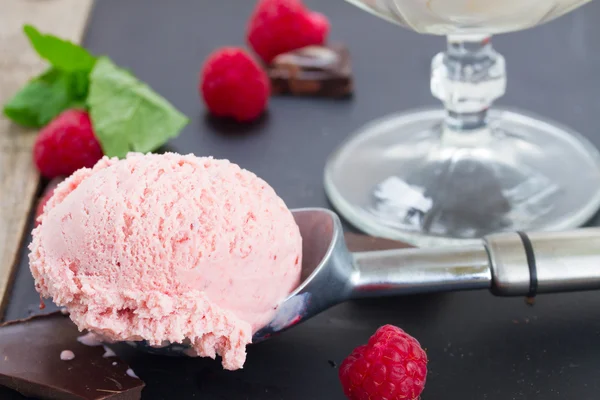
x,y
233,85
321,25
66,144
391,366
279,26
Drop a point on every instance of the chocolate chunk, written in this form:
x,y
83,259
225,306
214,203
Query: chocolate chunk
x,y
30,363
314,71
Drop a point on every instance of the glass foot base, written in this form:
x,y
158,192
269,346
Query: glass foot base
x,y
401,178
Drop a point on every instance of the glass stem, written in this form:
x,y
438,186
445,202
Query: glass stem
x,y
467,78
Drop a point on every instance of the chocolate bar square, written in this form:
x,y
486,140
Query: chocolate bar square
x,y
32,363
323,71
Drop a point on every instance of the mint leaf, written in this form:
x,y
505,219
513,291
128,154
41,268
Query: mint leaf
x,y
79,84
127,114
46,96
62,54
64,85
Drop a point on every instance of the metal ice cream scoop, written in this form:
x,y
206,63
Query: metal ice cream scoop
x,y
509,264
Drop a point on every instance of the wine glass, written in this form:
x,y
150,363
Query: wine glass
x,y
436,176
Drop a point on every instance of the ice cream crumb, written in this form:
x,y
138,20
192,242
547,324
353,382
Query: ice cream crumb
x,y
67,355
64,311
131,373
108,352
162,344
89,339
114,363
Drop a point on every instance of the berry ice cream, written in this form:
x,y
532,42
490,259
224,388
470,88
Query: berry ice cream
x,y
168,248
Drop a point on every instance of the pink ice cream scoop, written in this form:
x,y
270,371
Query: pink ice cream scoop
x,y
168,248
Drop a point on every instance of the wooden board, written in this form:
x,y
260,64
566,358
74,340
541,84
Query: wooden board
x,y
356,243
18,63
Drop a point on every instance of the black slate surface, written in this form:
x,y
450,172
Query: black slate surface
x,y
480,347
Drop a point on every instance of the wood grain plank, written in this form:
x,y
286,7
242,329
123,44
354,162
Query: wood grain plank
x,y
18,63
357,242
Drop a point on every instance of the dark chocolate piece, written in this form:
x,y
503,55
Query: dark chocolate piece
x,y
30,363
312,71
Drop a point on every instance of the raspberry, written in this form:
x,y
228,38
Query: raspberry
x,y
321,24
391,366
279,26
66,144
233,85
48,192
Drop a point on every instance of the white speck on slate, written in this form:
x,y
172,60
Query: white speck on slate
x,y
67,355
89,339
108,352
131,373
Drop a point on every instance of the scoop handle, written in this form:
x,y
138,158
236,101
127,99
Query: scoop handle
x,y
544,262
509,264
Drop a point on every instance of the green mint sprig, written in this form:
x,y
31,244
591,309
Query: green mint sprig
x,y
127,114
46,96
62,54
